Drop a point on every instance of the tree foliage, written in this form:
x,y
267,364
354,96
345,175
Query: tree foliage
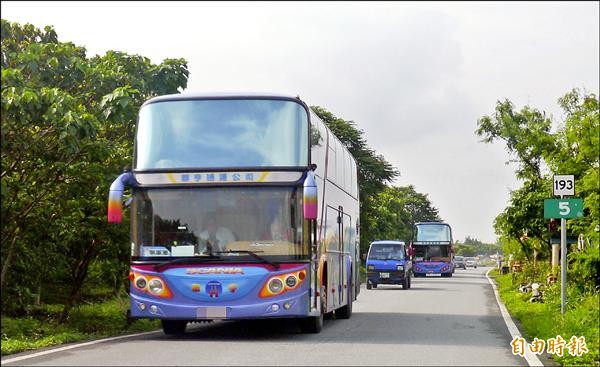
x,y
396,210
541,153
472,247
67,129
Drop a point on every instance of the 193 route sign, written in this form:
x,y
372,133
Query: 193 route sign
x,y
563,185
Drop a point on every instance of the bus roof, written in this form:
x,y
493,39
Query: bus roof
x,y
431,222
221,95
388,242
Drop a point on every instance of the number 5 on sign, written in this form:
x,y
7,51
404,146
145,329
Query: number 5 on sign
x,y
563,208
564,185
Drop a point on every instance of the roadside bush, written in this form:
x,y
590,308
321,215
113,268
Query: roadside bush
x,y
583,269
85,322
544,320
532,271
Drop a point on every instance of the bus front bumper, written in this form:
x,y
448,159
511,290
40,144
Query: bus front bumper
x,y
292,306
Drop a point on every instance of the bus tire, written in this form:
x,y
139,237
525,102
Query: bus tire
x,y
409,281
173,327
312,325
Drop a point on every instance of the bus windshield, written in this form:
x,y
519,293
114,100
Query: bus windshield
x,y
432,252
185,222
433,232
217,133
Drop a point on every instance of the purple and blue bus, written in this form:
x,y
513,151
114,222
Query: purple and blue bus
x,y
432,249
243,206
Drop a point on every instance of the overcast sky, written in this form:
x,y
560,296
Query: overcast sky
x,y
414,76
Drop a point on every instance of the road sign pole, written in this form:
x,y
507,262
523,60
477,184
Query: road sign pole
x,y
563,264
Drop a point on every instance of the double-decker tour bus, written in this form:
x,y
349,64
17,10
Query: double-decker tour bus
x,y
243,206
432,249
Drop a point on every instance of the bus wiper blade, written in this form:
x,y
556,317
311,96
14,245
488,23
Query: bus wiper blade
x,y
251,253
190,260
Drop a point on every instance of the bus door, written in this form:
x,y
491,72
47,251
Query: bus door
x,y
334,254
345,255
340,256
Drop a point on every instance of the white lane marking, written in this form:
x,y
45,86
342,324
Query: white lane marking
x,y
39,354
530,357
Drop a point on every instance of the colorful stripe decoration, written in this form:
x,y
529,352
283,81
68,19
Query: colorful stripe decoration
x,y
115,196
310,196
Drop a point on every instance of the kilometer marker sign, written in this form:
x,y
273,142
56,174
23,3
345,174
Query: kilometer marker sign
x,y
563,208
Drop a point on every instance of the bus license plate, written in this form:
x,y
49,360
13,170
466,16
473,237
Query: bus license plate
x,y
211,312
384,275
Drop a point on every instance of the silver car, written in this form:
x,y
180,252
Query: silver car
x,y
470,262
459,262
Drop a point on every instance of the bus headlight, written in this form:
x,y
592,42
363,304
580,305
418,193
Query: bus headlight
x,y
151,284
155,286
282,283
275,285
291,281
140,283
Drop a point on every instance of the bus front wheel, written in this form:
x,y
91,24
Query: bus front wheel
x,y
173,327
312,324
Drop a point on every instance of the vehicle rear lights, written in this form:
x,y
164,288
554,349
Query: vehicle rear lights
x,y
279,284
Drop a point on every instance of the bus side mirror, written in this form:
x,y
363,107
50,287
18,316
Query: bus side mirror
x,y
309,198
115,196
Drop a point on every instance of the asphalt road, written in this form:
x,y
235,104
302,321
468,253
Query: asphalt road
x,y
439,321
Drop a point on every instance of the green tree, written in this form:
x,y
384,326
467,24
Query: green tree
x,y
573,149
526,134
396,210
67,130
578,153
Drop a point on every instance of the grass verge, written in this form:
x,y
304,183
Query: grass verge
x,y
545,321
86,322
